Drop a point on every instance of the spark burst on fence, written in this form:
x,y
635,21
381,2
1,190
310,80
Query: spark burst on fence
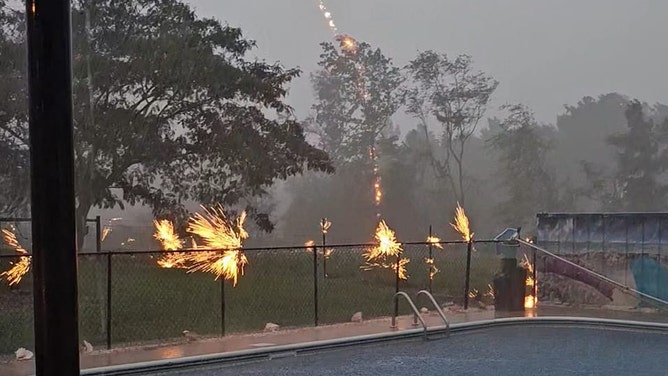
x,y
222,236
462,225
530,300
20,267
490,291
381,255
433,270
325,225
434,241
170,241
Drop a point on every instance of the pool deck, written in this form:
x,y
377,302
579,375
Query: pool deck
x,y
195,345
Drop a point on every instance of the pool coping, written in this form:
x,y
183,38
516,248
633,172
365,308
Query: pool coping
x,y
279,351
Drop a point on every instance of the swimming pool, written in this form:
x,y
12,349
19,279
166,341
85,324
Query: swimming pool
x,y
499,347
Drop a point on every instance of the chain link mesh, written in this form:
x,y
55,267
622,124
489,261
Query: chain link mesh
x,y
151,304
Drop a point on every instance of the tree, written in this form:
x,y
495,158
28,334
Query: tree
x,y
357,91
641,155
456,96
168,110
14,176
530,184
582,134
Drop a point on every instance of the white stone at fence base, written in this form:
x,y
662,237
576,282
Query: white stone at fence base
x,y
23,354
357,317
271,327
87,347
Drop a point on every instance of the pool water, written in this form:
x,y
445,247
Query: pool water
x,y
510,350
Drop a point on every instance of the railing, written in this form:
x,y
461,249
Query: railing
x,y
416,314
438,309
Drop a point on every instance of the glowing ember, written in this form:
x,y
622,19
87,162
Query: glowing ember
x,y
433,270
19,268
490,291
403,274
436,242
170,241
325,225
328,17
462,225
347,43
106,230
529,299
164,232
377,189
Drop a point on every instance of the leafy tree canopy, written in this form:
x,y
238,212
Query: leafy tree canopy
x,y
168,109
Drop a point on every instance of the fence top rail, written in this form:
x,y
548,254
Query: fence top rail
x,y
25,219
601,214
258,249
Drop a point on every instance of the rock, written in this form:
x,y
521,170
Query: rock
x,y
87,347
23,354
448,304
190,336
357,317
271,327
481,304
424,310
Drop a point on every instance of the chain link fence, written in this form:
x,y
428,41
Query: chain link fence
x,y
127,298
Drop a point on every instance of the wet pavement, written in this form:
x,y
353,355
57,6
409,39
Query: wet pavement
x,y
195,345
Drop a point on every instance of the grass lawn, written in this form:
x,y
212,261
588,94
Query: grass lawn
x,y
153,304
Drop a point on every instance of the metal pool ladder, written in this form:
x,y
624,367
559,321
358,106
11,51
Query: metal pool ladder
x,y
416,313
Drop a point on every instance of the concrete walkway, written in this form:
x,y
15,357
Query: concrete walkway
x,y
196,345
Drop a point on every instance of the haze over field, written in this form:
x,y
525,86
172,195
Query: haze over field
x,y
570,135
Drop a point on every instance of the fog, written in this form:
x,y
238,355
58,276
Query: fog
x,y
544,53
576,139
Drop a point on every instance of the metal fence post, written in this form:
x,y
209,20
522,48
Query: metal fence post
x,y
324,254
98,234
535,280
467,286
222,306
396,287
104,311
431,260
315,285
108,330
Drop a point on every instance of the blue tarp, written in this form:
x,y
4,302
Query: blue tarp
x,y
651,277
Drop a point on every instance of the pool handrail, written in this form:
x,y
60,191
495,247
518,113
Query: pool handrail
x,y
416,313
598,275
438,310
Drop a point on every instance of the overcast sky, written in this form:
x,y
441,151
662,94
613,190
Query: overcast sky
x,y
545,53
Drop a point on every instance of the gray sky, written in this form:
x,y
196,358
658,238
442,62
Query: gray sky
x,y
545,53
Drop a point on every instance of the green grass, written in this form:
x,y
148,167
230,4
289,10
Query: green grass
x,y
154,304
